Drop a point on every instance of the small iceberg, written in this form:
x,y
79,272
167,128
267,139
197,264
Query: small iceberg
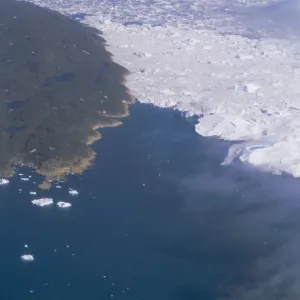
x,y
73,192
63,204
42,201
4,181
32,193
24,179
27,257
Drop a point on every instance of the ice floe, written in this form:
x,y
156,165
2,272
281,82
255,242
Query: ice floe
x,y
63,204
27,257
73,192
25,179
32,193
4,181
42,201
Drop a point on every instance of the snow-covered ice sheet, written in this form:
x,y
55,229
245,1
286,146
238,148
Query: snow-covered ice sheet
x,y
242,89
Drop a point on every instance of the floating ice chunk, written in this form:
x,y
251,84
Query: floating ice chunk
x,y
32,193
58,187
63,204
42,201
244,150
24,179
4,181
73,192
27,257
26,246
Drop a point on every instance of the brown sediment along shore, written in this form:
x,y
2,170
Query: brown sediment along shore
x,y
58,85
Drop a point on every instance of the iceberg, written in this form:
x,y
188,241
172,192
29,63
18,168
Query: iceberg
x,y
73,192
4,181
42,201
27,257
63,204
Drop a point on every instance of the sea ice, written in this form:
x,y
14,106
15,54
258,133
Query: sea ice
x,y
27,257
4,181
63,204
32,193
42,201
73,192
236,99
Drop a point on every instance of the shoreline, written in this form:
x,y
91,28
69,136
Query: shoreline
x,y
67,96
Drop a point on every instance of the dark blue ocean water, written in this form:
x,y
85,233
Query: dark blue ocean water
x,y
157,218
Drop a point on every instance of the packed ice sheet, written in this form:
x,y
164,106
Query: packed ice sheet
x,y
177,13
242,89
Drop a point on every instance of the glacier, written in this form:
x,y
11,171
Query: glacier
x,y
242,89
